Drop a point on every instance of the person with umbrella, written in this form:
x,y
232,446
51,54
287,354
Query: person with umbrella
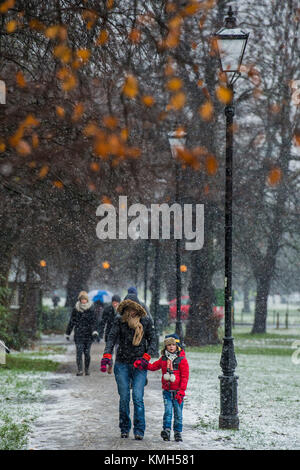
x,y
84,322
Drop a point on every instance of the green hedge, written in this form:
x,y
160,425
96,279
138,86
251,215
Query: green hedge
x,y
54,320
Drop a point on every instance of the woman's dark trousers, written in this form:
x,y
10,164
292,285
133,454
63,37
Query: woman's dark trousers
x,y
83,347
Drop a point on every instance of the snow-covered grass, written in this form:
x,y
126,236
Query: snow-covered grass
x,y
268,394
21,384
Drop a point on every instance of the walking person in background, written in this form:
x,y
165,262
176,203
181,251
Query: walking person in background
x,y
175,376
134,332
106,323
83,320
99,309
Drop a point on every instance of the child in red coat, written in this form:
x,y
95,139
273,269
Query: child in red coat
x,y
175,375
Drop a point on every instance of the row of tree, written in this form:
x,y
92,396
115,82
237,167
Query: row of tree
x,y
93,88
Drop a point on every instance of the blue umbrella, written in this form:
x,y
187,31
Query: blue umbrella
x,y
100,295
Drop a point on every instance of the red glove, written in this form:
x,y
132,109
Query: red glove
x,y
105,361
142,363
179,396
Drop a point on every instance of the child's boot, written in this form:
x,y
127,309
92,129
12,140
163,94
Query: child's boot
x,y
165,434
177,436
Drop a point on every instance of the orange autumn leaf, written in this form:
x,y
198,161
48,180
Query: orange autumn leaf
x,y
63,52
211,165
101,149
175,22
56,31
274,176
174,84
21,82
94,166
30,121
14,139
172,40
23,148
180,132
78,111
224,94
124,134
114,145
67,78
105,264
36,25
60,111
102,38
91,129
183,268
297,137
206,189
2,146
105,200
188,158
5,6
83,55
11,26
43,263
206,111
169,68
148,100
110,122
177,101
35,140
109,4
130,87
58,184
43,171
134,36
52,31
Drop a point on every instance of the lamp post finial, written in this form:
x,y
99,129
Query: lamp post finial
x,y
230,20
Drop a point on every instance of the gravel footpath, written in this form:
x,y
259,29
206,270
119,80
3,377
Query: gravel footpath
x,y
82,412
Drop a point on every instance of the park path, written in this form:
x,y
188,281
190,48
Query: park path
x,y
82,412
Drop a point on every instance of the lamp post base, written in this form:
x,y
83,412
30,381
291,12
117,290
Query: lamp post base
x,y
228,418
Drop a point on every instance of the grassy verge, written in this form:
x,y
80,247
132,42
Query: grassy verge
x,y
269,344
21,387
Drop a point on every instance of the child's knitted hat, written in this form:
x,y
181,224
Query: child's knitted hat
x,y
172,339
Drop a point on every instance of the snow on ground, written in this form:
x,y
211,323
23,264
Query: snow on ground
x,y
268,397
82,412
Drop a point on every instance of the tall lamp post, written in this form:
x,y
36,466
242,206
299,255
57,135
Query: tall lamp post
x,y
231,43
177,140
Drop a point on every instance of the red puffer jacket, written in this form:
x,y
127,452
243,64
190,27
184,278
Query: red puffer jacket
x,y
180,369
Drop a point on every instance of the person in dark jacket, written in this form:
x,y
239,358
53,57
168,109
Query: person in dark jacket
x,y
134,332
83,320
175,376
99,309
107,320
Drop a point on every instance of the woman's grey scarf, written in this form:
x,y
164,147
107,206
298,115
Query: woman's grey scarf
x,y
83,307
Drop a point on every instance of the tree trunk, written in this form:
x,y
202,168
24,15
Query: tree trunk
x,y
78,277
199,330
246,307
261,305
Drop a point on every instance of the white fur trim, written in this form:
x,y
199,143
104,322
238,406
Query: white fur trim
x,y
172,378
167,376
95,333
